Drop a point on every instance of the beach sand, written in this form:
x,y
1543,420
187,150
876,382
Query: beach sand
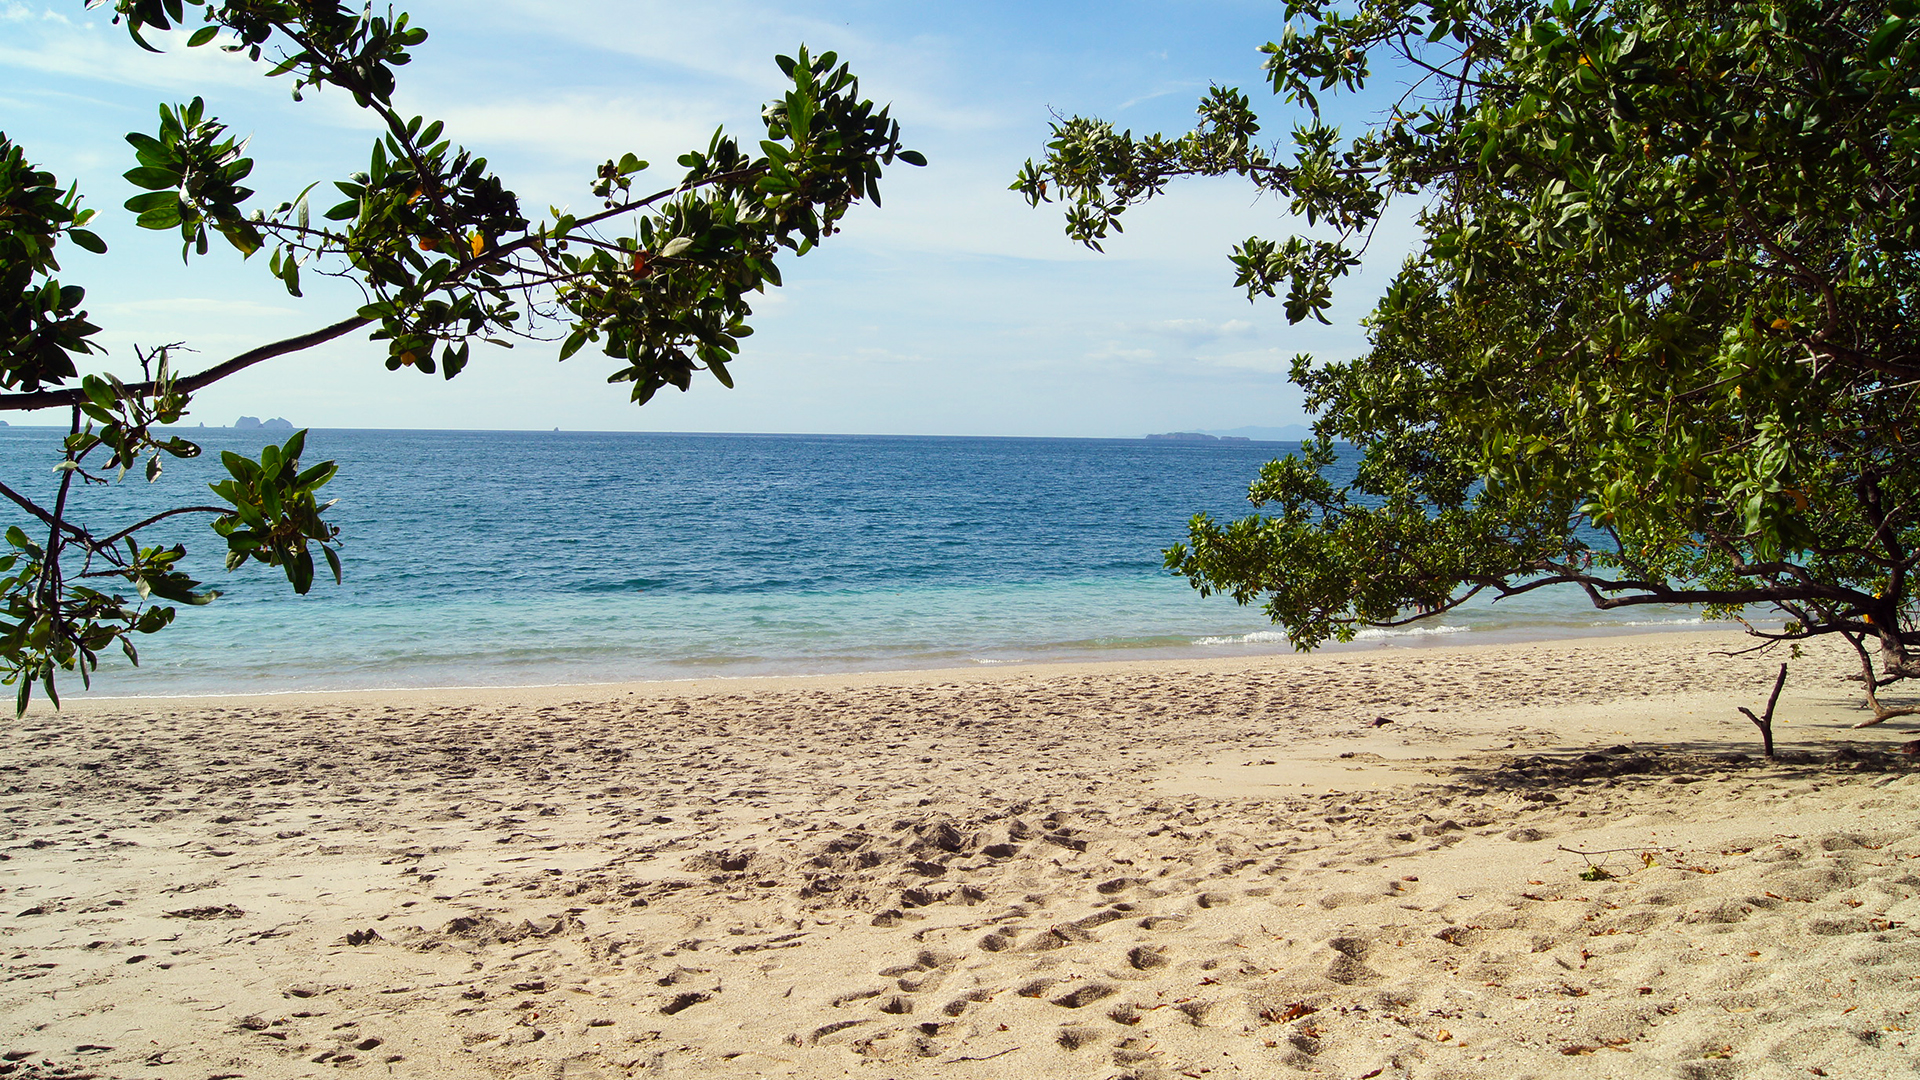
x,y
1350,865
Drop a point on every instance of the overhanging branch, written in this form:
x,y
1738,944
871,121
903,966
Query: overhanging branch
x,y
47,399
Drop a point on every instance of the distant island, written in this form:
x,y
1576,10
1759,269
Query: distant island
x,y
1195,436
1283,433
251,423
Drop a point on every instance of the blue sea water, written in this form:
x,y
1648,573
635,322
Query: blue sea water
x,y
527,558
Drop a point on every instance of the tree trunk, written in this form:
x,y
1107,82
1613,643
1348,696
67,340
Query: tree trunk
x,y
1898,664
1765,721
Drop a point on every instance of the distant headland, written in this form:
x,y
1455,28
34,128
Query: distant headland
x,y
1283,433
250,423
1195,436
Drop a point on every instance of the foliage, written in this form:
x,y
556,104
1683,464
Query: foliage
x,y
444,256
1658,340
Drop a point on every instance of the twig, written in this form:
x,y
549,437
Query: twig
x,y
988,1057
1597,871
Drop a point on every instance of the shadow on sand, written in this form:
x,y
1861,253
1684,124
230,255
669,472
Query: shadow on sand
x,y
1680,764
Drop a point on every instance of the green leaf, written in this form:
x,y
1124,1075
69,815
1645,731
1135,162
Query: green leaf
x,y
157,200
157,178
1886,39
300,572
149,150
98,391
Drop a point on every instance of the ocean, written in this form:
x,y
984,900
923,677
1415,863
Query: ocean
x,y
498,558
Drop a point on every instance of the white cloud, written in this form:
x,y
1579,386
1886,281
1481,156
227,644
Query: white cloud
x,y
1273,361
581,128
730,44
80,51
1190,87
1200,331
1114,350
16,12
724,41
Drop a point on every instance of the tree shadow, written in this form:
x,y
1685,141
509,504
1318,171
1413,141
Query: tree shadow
x,y
1684,762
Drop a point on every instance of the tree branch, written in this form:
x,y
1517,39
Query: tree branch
x,y
37,511
162,516
46,399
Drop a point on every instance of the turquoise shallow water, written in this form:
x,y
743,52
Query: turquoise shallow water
x,y
520,558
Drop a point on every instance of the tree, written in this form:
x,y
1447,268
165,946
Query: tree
x,y
443,256
1660,338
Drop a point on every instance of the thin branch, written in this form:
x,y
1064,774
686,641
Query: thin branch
x,y
46,399
162,516
1427,613
35,509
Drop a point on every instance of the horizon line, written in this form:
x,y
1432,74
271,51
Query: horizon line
x,y
1229,440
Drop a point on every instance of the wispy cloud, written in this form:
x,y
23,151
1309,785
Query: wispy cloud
x,y
1192,332
16,12
1114,350
724,40
578,128
1274,361
92,51
1185,87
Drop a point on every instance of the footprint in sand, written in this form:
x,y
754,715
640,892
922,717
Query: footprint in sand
x,y
852,996
1347,967
1082,996
834,1028
1056,937
926,981
1103,917
959,1005
1074,1036
1036,988
1147,957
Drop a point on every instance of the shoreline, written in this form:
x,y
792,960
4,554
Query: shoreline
x,y
1275,866
978,671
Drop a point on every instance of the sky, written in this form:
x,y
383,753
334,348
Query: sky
x,y
953,309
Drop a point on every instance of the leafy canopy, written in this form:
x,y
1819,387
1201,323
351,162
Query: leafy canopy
x,y
660,279
1659,340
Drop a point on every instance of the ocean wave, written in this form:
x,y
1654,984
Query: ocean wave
x,y
1258,637
1375,633
1696,621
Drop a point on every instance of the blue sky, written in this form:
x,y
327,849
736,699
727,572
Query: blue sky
x,y
954,309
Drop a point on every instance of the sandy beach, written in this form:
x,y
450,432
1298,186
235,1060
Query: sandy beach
x,y
1370,864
